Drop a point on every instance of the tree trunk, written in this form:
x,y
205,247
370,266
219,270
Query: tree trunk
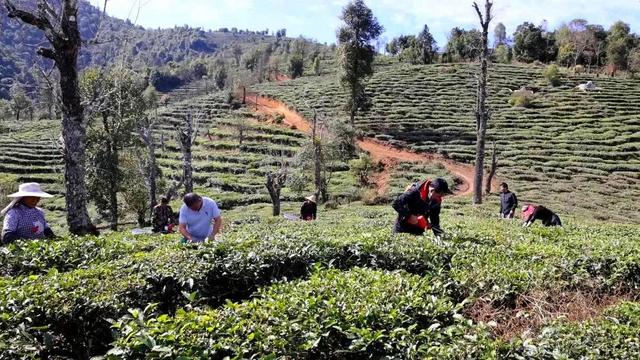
x,y
482,112
17,115
492,171
111,148
152,174
113,186
188,171
320,183
74,133
64,37
275,200
273,186
244,95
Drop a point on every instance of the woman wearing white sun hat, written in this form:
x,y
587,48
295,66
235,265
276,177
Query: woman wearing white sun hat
x,y
22,218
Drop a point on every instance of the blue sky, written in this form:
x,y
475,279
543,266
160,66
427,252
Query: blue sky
x,y
318,19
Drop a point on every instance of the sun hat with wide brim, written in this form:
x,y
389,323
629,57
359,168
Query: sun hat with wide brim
x,y
311,198
30,190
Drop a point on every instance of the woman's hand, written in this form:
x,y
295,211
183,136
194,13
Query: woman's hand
x,y
413,220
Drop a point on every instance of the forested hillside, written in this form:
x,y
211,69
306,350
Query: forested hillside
x,y
107,41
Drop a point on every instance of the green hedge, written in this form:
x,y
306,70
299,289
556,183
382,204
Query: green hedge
x,y
40,256
47,306
334,315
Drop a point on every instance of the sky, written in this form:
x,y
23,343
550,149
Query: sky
x,y
318,19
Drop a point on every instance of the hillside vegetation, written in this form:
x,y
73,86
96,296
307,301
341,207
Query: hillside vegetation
x,y
227,168
574,151
111,41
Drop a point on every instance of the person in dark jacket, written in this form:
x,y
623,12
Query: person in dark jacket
x,y
508,202
531,213
163,217
419,206
309,208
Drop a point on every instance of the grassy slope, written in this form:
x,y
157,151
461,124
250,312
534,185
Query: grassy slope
x,y
575,152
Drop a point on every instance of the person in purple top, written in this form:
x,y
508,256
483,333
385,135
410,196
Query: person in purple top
x,y
22,218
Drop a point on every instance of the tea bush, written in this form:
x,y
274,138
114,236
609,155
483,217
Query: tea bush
x,y
65,308
355,314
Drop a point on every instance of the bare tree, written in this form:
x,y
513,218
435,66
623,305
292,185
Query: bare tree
x,y
318,161
146,127
276,180
492,170
150,167
61,30
482,111
582,37
187,134
241,126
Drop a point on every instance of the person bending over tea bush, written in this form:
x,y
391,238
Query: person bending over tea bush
x,y
419,206
199,219
531,213
22,218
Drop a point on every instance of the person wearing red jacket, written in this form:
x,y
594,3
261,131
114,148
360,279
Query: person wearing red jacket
x,y
531,213
419,207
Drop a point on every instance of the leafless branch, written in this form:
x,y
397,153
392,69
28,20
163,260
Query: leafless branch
x,y
41,21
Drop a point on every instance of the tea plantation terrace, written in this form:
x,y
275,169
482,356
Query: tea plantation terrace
x,y
571,150
232,173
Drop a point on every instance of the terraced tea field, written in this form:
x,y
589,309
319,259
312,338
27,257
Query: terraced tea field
x,y
30,153
576,152
231,173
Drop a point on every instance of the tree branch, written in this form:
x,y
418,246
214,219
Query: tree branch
x,y
475,6
95,40
47,53
41,22
46,10
25,16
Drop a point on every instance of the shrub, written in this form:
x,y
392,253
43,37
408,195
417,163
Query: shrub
x,y
552,74
578,70
372,197
279,118
362,168
298,182
296,66
503,54
612,337
8,184
331,205
634,62
521,99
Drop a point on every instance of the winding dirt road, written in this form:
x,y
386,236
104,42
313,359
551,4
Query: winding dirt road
x,y
379,150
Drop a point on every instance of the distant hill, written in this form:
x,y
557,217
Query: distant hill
x,y
143,48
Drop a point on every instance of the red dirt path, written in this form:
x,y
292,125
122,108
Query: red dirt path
x,y
379,150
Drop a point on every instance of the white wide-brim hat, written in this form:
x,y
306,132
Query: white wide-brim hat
x,y
311,198
30,189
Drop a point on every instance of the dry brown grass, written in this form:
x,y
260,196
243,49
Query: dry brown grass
x,y
539,308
